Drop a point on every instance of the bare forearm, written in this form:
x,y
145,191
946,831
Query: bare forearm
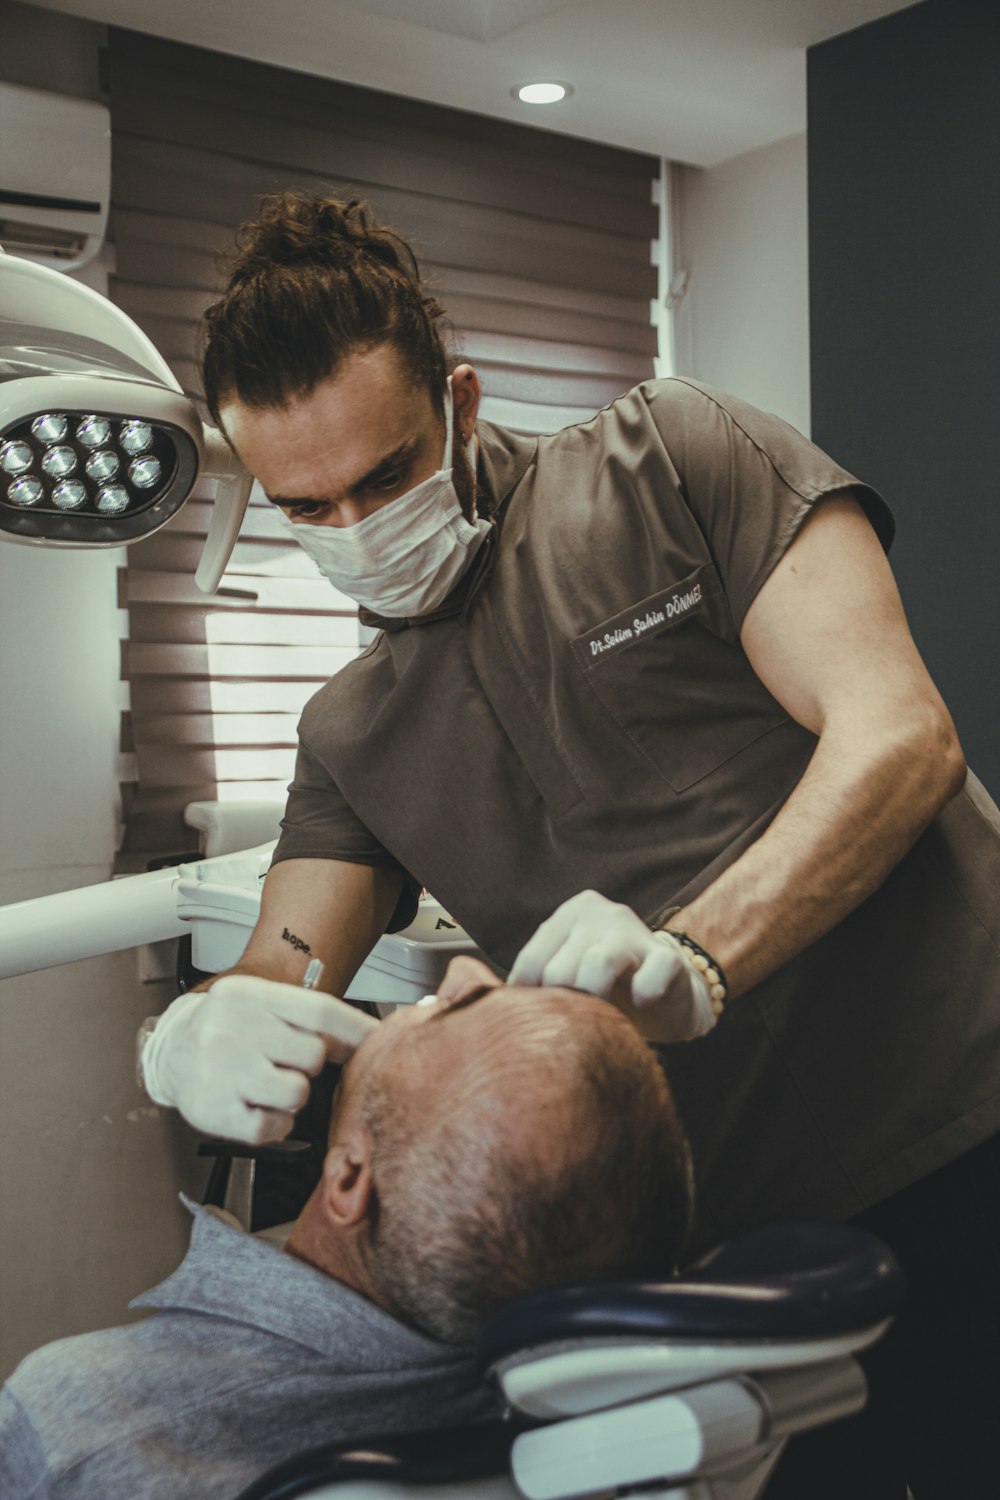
x,y
850,820
347,949
318,909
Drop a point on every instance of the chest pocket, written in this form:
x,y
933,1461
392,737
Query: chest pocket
x,y
670,671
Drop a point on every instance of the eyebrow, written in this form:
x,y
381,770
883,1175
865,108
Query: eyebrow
x,y
399,456
465,1002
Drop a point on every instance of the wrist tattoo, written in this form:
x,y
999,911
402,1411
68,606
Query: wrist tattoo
x,y
296,942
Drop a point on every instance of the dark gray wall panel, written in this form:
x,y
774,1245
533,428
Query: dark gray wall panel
x,y
904,243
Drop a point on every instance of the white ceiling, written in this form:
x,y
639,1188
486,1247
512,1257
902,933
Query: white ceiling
x,y
696,80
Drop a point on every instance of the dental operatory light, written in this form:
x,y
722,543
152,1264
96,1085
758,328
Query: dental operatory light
x,y
99,445
542,93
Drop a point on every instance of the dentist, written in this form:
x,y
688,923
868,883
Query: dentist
x,y
645,714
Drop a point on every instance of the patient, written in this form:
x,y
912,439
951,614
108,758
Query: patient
x,y
485,1144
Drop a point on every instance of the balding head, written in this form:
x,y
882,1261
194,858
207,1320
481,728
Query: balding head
x,y
518,1138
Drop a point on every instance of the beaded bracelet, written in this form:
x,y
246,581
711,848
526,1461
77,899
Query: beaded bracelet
x,y
704,964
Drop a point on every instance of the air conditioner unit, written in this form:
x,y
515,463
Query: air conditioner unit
x,y
55,176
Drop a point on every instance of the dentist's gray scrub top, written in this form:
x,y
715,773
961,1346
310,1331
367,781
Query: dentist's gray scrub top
x,y
582,715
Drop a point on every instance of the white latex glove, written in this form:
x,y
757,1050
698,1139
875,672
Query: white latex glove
x,y
236,1059
590,943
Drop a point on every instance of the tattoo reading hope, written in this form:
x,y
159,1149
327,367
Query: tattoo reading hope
x,y
296,942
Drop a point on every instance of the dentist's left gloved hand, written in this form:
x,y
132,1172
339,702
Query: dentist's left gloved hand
x,y
236,1059
593,944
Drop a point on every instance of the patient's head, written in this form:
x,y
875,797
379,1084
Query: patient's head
x,y
492,1143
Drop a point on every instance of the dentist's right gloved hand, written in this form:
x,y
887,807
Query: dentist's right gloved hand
x,y
236,1059
593,944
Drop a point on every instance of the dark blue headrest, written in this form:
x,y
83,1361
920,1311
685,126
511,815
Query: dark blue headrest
x,y
792,1281
437,1456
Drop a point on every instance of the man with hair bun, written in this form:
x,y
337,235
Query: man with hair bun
x,y
645,714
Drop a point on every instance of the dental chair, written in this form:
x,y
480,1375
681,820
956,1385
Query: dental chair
x,y
686,1389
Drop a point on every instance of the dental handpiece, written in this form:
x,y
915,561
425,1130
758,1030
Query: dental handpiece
x,y
313,974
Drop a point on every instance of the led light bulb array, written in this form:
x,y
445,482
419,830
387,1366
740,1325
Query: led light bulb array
x,y
80,462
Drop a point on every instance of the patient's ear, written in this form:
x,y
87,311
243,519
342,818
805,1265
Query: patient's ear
x,y
346,1188
464,975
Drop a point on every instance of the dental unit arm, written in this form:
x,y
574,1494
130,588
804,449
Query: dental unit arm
x,y
217,902
117,914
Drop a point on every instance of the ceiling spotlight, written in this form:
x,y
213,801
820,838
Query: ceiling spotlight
x,y
542,93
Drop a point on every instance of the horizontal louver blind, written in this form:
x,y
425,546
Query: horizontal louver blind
x,y
539,247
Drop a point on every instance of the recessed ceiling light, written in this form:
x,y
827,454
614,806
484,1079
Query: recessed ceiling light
x,y
542,93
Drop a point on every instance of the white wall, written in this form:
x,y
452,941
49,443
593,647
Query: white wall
x,y
740,232
88,1171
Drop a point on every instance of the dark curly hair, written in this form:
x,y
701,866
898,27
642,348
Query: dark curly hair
x,y
313,280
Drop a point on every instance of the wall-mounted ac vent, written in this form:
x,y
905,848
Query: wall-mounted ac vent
x,y
55,176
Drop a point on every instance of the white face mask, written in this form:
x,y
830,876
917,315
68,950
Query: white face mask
x,y
406,557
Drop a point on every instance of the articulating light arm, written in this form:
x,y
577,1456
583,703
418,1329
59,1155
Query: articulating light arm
x,y
230,506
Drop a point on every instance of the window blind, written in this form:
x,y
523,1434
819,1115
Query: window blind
x,y
537,244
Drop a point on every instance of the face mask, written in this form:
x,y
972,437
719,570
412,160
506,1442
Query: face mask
x,y
405,558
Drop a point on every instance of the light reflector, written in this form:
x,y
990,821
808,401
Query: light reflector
x,y
69,495
109,479
93,432
112,499
25,491
51,428
136,437
15,457
144,472
103,464
58,462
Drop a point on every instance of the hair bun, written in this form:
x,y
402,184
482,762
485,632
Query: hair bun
x,y
293,229
313,280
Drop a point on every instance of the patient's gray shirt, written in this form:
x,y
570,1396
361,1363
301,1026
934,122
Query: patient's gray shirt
x,y
250,1356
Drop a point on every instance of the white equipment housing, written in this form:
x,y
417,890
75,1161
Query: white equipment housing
x,y
217,902
55,176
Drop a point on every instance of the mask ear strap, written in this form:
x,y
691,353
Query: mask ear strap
x,y
449,427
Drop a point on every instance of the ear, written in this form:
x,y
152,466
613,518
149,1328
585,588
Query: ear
x,y
347,1188
463,975
466,394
